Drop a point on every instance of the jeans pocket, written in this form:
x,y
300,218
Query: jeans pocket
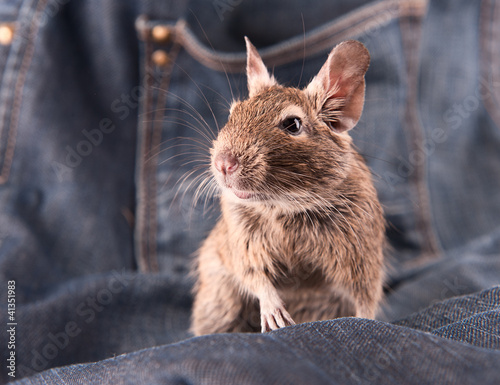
x,y
188,87
361,24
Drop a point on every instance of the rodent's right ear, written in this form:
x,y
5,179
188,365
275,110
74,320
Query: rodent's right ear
x,y
258,77
339,86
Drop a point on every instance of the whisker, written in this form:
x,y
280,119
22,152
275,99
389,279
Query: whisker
x,y
205,100
303,49
205,131
213,49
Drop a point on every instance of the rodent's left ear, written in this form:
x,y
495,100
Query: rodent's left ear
x,y
258,77
338,90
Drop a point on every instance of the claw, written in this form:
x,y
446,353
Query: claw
x,y
279,318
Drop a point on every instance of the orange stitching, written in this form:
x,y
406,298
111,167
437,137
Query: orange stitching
x,y
18,97
147,207
411,30
144,176
155,143
322,39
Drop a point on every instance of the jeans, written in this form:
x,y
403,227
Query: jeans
x,y
106,111
344,351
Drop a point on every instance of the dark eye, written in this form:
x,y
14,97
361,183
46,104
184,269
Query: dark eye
x,y
292,125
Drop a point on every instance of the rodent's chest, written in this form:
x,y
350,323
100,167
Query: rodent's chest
x,y
287,246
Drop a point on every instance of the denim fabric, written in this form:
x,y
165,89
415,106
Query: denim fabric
x,y
344,351
104,127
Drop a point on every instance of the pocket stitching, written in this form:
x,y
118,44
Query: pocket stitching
x,y
150,132
320,39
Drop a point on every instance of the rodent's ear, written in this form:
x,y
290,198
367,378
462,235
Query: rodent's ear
x,y
338,89
258,77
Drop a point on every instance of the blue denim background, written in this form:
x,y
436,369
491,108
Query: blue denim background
x,y
98,232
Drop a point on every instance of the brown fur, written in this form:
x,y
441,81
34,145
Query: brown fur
x,y
308,244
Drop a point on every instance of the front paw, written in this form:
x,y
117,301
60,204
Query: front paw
x,y
275,319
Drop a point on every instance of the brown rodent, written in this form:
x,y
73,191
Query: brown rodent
x,y
301,233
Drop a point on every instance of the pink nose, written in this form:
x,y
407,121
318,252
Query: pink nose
x,y
226,163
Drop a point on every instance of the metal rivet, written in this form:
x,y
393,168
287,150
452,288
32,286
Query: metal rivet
x,y
160,58
161,33
6,34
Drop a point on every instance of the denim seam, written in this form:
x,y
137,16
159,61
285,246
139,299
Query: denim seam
x,y
143,171
159,112
489,34
411,33
151,175
316,41
150,132
21,72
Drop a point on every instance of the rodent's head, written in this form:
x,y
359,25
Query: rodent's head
x,y
284,145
